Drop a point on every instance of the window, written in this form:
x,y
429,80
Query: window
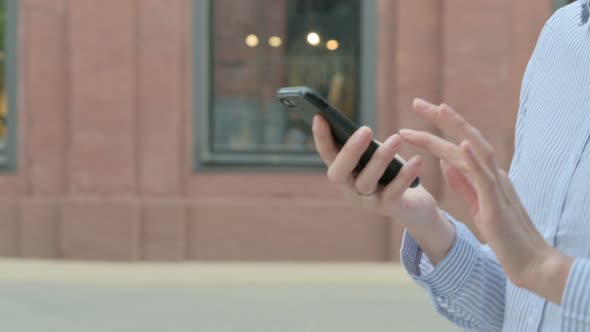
x,y
245,50
561,3
7,84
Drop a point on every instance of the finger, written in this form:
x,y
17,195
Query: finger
x,y
514,200
341,170
408,173
367,181
508,188
459,184
324,142
457,180
439,147
453,125
484,180
444,117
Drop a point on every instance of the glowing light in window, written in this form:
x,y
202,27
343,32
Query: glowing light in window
x,y
275,41
313,39
332,45
252,40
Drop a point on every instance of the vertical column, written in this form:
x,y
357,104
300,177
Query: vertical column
x,y
42,25
102,48
161,98
102,40
47,92
161,51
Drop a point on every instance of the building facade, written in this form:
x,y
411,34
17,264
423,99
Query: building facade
x,y
147,129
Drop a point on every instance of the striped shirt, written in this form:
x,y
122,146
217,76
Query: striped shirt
x,y
551,173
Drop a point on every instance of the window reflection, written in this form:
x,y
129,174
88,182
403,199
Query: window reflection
x,y
260,46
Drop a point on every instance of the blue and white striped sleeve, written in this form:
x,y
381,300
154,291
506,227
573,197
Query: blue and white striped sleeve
x,y
467,286
576,298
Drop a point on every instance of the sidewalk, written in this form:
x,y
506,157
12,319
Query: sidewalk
x,y
49,296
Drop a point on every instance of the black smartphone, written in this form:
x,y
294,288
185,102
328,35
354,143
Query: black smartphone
x,y
307,103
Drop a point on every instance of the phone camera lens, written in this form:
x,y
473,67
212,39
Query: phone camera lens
x,y
288,102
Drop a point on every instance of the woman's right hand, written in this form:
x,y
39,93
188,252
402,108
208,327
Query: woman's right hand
x,y
414,208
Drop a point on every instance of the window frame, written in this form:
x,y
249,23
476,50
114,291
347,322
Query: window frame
x,y
205,159
8,152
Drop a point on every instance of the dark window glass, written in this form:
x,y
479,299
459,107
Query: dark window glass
x,y
259,46
3,94
561,3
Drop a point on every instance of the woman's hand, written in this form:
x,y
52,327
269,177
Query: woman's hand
x,y
498,214
414,208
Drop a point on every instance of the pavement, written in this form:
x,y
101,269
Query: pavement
x,y
212,297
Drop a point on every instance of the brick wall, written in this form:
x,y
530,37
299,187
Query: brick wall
x,y
105,131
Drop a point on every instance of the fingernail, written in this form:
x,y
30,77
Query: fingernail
x,y
364,132
415,161
392,141
422,104
406,132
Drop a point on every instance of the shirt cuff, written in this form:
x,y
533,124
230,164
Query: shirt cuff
x,y
451,273
576,298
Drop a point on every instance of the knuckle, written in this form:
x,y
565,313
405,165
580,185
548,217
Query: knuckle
x,y
447,110
334,176
440,115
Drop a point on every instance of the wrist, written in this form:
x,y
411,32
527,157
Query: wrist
x,y
435,237
548,279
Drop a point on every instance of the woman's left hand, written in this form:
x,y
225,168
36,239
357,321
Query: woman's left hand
x,y
471,169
